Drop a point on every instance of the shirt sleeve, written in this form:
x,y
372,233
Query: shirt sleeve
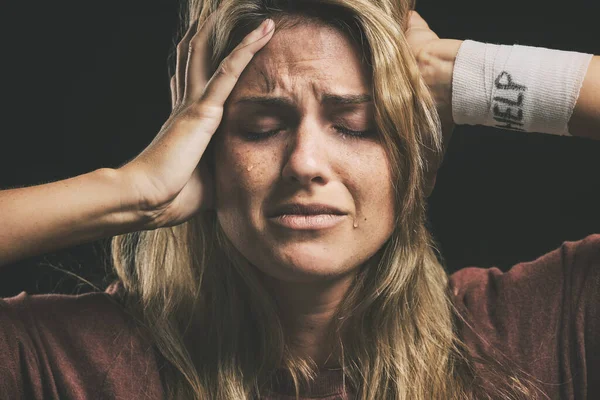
x,y
543,314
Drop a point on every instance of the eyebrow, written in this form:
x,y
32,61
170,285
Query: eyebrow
x,y
327,98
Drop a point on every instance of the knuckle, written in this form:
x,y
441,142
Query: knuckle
x,y
226,69
201,111
196,43
183,48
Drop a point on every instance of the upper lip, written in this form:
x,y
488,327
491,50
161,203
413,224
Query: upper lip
x,y
305,209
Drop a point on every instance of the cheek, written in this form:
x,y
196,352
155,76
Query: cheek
x,y
243,180
242,175
373,185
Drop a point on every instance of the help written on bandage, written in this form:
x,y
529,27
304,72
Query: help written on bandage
x,y
516,87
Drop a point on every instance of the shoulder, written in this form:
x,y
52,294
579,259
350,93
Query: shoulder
x,y
543,314
73,318
575,266
85,344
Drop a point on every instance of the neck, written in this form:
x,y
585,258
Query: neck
x,y
307,311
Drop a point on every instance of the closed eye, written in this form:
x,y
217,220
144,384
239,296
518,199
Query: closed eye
x,y
355,134
256,136
344,132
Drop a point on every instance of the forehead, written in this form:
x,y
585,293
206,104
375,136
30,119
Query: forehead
x,y
309,55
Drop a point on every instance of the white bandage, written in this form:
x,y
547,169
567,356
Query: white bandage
x,y
524,88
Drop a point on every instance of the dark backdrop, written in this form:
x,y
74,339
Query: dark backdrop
x,y
85,86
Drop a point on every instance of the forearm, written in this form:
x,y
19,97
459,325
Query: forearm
x,y
43,218
437,60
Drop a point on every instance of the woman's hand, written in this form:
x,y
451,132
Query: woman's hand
x,y
169,178
435,58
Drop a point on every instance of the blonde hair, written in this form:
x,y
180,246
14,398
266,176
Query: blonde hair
x,y
218,329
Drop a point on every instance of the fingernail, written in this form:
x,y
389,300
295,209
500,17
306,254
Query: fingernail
x,y
268,25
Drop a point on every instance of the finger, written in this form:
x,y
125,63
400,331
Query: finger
x,y
224,79
197,61
416,21
182,55
173,86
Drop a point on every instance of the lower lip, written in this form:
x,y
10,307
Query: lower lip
x,y
307,222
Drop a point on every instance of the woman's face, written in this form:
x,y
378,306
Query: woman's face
x,y
291,134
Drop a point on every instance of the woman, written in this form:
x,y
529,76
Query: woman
x,y
293,244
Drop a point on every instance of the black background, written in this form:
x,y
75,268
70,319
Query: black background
x,y
85,85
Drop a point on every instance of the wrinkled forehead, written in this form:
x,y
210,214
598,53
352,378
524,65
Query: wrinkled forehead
x,y
311,56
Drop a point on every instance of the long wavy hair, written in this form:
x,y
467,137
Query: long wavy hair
x,y
218,329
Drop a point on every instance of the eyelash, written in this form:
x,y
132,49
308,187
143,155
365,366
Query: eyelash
x,y
344,132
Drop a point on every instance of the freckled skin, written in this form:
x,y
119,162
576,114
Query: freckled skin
x,y
308,160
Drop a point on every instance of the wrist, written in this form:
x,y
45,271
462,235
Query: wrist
x,y
436,63
521,88
129,215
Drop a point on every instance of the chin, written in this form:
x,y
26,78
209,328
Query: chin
x,y
306,262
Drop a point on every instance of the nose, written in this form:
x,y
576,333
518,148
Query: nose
x,y
307,155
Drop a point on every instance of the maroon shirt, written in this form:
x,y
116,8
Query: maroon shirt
x,y
543,314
